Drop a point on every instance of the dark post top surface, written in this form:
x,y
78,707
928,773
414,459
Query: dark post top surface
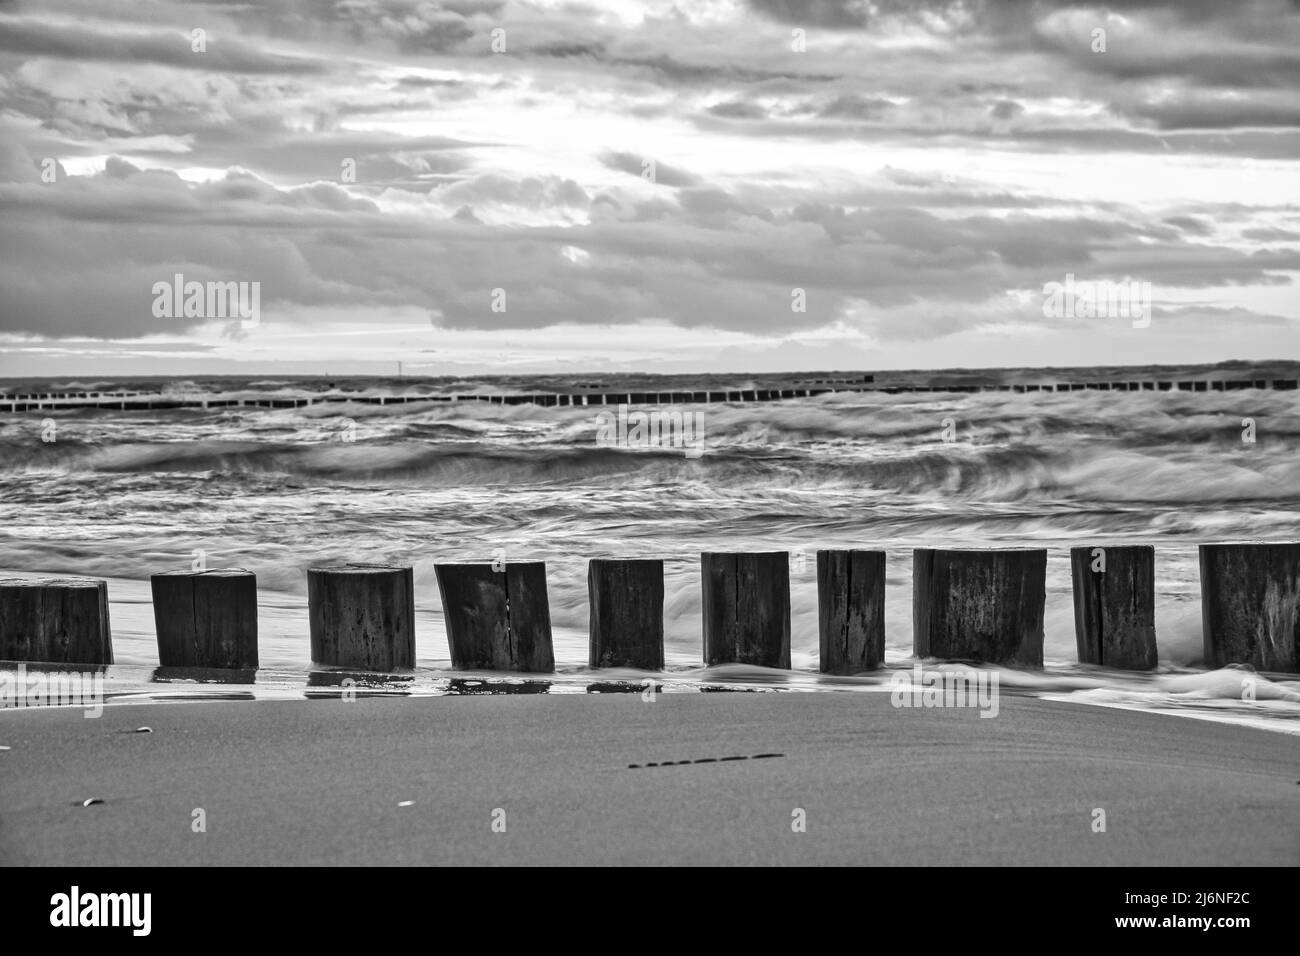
x,y
741,554
983,550
1251,544
210,573
359,568
52,582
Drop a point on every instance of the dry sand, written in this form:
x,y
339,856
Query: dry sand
x,y
320,782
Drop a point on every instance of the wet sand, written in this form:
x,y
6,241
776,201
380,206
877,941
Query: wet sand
x,y
320,782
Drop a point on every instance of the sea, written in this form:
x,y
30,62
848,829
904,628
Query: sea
x,y
122,494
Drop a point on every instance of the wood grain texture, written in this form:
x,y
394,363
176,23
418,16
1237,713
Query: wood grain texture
x,y
746,599
497,620
362,616
1115,609
626,597
984,606
206,618
1250,605
851,610
55,620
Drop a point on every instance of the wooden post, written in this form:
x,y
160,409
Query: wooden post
x,y
206,618
497,620
979,605
627,613
746,608
362,616
1115,605
55,620
851,610
1250,605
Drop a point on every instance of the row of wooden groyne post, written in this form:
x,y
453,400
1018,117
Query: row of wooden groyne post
x,y
972,605
150,401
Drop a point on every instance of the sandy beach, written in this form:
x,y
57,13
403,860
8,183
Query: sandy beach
x,y
323,782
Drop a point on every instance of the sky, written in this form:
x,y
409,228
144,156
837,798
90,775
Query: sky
x,y
472,187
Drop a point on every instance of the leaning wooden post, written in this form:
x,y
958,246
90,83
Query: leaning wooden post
x,y
362,616
746,608
55,620
1115,605
627,613
206,618
498,616
982,605
1250,605
851,610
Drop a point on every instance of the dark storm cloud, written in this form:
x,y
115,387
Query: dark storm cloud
x,y
27,37
1219,317
1006,109
847,14
848,106
425,83
1272,235
1191,224
1219,114
1247,70
738,109
675,71
562,50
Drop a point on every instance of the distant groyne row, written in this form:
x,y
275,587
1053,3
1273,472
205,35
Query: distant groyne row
x,y
151,401
983,605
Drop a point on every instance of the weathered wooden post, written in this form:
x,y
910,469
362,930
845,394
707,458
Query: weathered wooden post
x,y
627,613
362,616
1250,605
746,608
206,618
984,605
497,620
851,610
1115,605
55,620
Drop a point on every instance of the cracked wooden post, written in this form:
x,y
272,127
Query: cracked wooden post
x,y
851,610
497,620
1250,605
362,616
206,618
1115,605
979,605
626,597
55,621
746,608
